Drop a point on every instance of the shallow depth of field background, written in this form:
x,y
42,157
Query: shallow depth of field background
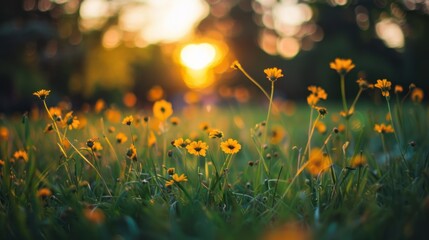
x,y
93,49
127,120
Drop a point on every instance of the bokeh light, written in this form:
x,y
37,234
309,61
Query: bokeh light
x,y
391,33
198,56
289,27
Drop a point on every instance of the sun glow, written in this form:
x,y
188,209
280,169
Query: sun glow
x,y
198,56
199,61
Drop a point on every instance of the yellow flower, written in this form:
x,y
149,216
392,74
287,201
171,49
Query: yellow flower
x,y
99,105
215,133
230,146
132,152
318,162
66,144
312,100
363,84
121,138
97,146
342,66
273,73
235,65
71,121
322,111
4,133
128,120
113,115
382,128
180,143
321,127
384,86
95,215
175,121
162,110
155,93
20,154
398,89
417,95
171,171
316,94
44,193
169,183
152,139
176,179
42,94
197,148
277,134
204,126
358,161
55,113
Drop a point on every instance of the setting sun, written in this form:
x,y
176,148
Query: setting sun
x,y
198,56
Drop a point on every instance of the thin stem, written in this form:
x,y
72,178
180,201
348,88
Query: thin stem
x,y
252,80
356,99
394,129
343,93
309,138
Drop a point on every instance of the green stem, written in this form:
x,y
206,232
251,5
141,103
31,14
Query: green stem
x,y
394,129
253,80
343,93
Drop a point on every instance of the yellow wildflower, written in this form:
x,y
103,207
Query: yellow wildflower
x,y
42,94
180,143
204,126
20,154
44,193
175,121
152,139
128,120
363,84
277,134
94,145
273,73
384,86
113,115
197,148
215,133
321,127
55,113
318,162
132,152
176,179
155,93
71,121
4,133
235,65
382,128
316,94
398,89
358,161
162,110
342,66
417,95
100,104
171,171
121,138
95,215
129,99
230,146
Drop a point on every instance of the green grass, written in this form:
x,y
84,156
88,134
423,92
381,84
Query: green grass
x,y
387,198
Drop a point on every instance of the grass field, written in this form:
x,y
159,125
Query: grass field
x,y
278,170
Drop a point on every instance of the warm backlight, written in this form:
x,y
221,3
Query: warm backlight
x,y
198,56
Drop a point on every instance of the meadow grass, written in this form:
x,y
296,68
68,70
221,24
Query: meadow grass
x,y
296,171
